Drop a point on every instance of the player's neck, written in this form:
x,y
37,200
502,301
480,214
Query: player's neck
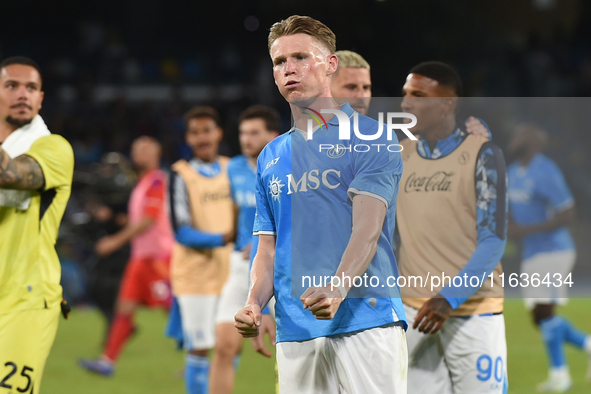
x,y
439,132
207,159
252,160
143,171
301,114
5,130
526,158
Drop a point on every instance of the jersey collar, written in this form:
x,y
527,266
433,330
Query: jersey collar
x,y
346,108
443,147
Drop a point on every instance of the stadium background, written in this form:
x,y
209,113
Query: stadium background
x,y
117,70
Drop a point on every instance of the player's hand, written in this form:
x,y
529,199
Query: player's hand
x,y
432,315
267,327
322,302
228,237
106,246
246,251
474,126
248,320
516,231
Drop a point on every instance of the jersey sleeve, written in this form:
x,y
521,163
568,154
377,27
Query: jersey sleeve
x,y
553,188
264,221
56,158
193,238
180,209
376,174
491,212
231,175
491,191
154,199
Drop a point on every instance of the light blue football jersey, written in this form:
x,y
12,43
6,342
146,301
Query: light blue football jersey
x,y
304,192
243,183
536,192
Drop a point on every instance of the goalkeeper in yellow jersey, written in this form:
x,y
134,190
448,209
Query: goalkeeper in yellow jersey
x,y
36,169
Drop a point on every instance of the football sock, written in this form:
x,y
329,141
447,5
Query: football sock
x,y
236,362
196,374
560,373
572,334
588,344
553,335
120,331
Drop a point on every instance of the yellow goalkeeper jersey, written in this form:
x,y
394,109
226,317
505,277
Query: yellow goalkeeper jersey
x,y
30,270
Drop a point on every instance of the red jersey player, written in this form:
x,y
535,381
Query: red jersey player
x,y
146,278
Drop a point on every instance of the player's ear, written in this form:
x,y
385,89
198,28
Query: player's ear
x,y
42,94
450,104
333,64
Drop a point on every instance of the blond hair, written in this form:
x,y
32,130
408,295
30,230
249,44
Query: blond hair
x,y
351,59
297,24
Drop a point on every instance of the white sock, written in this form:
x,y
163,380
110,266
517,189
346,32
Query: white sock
x,y
106,360
587,345
559,373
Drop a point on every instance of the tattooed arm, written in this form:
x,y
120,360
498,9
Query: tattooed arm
x,y
22,172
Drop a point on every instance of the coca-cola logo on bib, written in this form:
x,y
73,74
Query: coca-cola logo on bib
x,y
215,196
438,182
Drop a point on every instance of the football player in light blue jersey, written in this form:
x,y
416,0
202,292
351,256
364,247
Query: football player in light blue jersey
x,y
258,125
325,208
541,205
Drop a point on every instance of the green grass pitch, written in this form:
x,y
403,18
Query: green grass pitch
x,y
150,363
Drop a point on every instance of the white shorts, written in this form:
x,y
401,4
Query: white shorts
x,y
271,306
468,355
370,361
543,264
198,320
235,291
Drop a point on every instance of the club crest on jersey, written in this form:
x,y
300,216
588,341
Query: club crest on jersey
x,y
336,151
275,186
